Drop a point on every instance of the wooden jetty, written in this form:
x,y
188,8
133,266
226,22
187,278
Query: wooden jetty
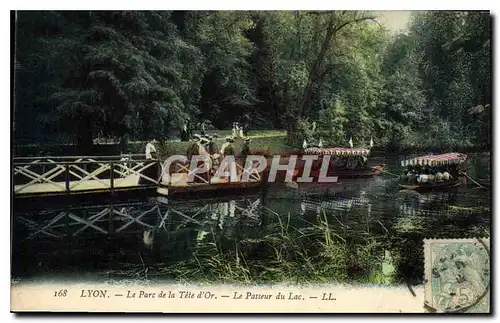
x,y
35,176
40,177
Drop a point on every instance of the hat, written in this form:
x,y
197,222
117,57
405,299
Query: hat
x,y
204,139
247,139
196,137
215,135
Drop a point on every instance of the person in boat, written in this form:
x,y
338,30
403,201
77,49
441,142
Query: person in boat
x,y
245,151
205,140
212,146
453,169
362,162
214,151
227,148
411,175
152,172
194,147
197,148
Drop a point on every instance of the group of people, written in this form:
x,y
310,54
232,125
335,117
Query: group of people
x,y
428,174
239,131
206,145
352,162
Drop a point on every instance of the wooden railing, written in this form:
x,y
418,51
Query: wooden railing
x,y
65,174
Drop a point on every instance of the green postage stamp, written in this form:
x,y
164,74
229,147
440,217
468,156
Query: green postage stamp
x,y
457,275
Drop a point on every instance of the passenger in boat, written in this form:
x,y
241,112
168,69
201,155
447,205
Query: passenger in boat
x,y
453,169
411,176
352,163
213,150
205,140
193,148
362,162
340,162
152,172
212,146
227,148
245,151
197,148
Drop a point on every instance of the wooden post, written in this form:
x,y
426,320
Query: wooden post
x,y
111,227
112,178
66,177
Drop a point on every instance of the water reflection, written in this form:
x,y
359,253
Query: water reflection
x,y
363,231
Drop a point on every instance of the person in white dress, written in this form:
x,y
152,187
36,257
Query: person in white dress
x,y
152,172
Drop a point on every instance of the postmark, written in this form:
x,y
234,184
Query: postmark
x,y
457,275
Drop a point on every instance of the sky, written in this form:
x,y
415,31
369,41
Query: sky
x,y
395,20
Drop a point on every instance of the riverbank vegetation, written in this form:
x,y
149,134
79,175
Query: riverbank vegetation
x,y
349,245
134,75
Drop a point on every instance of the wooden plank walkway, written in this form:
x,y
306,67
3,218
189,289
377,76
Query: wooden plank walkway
x,y
88,185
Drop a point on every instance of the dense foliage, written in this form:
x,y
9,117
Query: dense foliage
x,y
143,74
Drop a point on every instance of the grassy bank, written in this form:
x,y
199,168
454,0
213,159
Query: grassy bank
x,y
270,142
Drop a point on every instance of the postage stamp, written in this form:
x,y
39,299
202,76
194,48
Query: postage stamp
x,y
457,275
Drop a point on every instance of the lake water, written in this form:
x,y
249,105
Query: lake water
x,y
362,231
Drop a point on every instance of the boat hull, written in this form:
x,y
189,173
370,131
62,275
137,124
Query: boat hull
x,y
196,190
343,173
429,187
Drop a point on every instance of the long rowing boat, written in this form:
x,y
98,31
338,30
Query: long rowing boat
x,y
433,172
343,163
431,187
176,182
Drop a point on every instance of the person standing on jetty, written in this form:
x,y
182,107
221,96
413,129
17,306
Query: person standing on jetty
x,y
151,174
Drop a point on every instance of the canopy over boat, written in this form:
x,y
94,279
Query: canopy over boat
x,y
338,151
436,160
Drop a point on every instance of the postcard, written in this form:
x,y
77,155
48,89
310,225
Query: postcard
x,y
251,161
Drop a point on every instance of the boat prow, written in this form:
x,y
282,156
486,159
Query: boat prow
x,y
379,168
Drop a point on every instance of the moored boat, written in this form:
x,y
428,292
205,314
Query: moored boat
x,y
178,183
432,172
342,163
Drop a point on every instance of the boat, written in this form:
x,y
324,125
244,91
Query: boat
x,y
427,172
177,184
344,163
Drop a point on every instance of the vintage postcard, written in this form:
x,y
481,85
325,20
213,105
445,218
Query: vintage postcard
x,y
314,161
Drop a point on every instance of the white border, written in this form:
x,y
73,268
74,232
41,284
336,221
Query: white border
x,y
190,4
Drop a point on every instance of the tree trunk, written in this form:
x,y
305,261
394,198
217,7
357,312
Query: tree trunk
x,y
292,133
85,140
